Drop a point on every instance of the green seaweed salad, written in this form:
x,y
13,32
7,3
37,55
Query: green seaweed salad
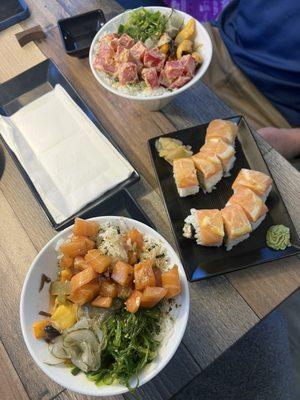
x,y
129,344
143,24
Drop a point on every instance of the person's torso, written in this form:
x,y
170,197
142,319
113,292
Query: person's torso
x,y
263,39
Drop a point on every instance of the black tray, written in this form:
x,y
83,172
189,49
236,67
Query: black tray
x,y
203,262
28,86
12,12
78,32
122,204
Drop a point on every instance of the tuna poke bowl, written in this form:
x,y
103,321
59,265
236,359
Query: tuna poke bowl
x,y
150,54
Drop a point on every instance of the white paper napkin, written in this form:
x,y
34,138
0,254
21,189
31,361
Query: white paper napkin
x,y
69,161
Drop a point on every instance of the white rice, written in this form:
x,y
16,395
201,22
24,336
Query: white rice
x,y
231,243
228,166
209,184
256,224
188,191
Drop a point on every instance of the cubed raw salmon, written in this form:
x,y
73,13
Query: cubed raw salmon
x,y
85,228
152,295
144,275
122,273
98,261
171,282
134,301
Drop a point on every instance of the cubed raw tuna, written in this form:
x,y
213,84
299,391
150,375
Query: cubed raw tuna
x,y
154,58
179,82
127,73
189,64
111,38
126,41
138,50
174,69
150,76
163,80
105,60
123,55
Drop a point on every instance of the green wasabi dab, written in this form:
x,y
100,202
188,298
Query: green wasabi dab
x,y
278,237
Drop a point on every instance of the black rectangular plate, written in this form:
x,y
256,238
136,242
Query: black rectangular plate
x,y
28,86
12,12
78,32
203,262
122,204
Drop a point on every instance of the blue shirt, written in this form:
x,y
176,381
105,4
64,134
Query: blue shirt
x,y
263,39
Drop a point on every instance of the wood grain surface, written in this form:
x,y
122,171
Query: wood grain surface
x,y
222,309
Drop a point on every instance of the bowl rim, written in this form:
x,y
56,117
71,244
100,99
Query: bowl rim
x,y
164,362
164,95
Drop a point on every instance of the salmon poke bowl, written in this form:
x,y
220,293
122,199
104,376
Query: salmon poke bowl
x,y
150,54
104,306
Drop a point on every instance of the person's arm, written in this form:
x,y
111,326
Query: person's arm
x,y
285,141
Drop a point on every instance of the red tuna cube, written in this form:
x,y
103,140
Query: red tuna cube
x,y
154,58
163,80
174,69
111,38
123,54
150,77
138,50
126,41
179,82
127,73
105,59
189,65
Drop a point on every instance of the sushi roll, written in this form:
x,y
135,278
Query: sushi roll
x,y
208,226
225,153
222,130
185,177
209,170
237,226
258,182
253,206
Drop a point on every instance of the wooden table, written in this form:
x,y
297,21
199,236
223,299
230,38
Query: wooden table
x,y
222,309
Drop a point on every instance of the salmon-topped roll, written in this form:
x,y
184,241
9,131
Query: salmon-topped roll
x,y
221,130
260,183
209,170
224,152
208,226
237,226
253,206
185,176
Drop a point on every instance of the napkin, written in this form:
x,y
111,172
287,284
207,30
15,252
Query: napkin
x,y
70,162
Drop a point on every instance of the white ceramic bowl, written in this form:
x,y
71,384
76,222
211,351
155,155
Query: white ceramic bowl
x,y
153,103
32,302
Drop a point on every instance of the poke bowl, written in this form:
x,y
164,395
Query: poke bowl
x,y
158,63
137,334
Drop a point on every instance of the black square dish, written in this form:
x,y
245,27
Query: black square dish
x,y
77,33
12,12
30,85
203,262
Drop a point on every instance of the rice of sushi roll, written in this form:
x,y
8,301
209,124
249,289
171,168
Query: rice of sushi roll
x,y
185,176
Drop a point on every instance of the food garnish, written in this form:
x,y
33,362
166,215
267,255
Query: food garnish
x,y
278,237
171,149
